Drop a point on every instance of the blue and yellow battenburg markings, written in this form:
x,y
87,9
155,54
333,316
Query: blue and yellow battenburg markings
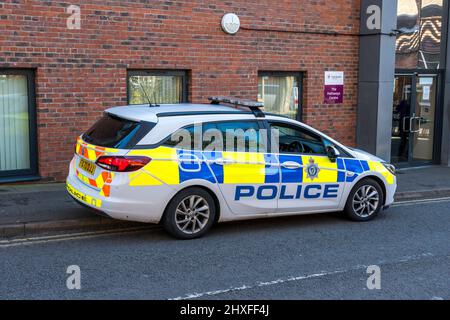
x,y
171,166
379,167
272,172
291,175
192,166
357,167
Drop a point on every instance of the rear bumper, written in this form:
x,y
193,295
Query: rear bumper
x,y
135,205
96,211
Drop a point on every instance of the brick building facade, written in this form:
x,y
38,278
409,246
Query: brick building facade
x,y
79,73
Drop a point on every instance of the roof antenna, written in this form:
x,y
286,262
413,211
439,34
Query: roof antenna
x,y
154,99
150,104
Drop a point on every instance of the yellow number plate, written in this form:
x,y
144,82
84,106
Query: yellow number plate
x,y
89,167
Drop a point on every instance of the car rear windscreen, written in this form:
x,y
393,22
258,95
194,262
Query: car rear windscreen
x,y
114,132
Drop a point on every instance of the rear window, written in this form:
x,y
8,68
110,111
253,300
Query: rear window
x,y
114,132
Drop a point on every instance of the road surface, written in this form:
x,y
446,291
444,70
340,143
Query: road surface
x,y
304,257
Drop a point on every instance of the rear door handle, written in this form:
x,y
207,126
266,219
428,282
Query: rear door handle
x,y
291,165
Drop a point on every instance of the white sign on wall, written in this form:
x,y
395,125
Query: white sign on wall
x,y
334,78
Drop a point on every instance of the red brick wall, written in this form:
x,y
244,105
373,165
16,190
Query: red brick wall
x,y
79,73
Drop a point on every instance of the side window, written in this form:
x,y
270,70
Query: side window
x,y
183,138
294,139
241,136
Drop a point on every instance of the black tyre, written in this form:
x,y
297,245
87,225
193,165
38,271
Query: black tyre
x,y
190,214
364,201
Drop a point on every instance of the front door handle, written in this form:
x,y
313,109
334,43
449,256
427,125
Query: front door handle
x,y
291,165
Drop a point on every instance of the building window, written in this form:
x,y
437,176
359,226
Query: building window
x,y
18,156
158,86
419,44
281,93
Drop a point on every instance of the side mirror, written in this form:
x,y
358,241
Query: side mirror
x,y
332,153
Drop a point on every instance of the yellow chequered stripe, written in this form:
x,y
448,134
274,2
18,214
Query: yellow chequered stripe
x,y
83,197
110,150
83,178
90,151
328,171
249,168
378,167
85,150
102,182
162,169
99,182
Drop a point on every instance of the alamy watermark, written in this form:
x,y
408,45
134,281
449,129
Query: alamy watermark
x,y
229,140
73,22
374,280
73,281
373,21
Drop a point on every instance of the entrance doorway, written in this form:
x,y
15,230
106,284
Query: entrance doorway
x,y
414,121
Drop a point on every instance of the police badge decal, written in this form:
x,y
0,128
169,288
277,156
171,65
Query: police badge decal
x,y
312,169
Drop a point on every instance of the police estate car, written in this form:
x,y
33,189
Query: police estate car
x,y
188,166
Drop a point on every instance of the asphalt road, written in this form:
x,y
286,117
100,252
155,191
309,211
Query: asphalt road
x,y
304,257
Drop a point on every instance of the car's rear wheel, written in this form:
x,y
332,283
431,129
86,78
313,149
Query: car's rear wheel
x,y
364,201
190,214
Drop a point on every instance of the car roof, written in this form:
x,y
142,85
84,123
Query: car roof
x,y
144,112
150,114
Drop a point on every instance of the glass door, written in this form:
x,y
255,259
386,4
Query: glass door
x,y
413,125
423,118
400,145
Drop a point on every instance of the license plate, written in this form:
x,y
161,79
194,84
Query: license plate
x,y
89,167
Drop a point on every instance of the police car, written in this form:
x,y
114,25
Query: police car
x,y
188,166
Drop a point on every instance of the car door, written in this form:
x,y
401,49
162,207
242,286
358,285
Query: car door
x,y
248,177
310,181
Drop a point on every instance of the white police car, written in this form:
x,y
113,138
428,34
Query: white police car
x,y
188,166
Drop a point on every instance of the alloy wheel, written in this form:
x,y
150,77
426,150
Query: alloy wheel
x,y
365,201
192,214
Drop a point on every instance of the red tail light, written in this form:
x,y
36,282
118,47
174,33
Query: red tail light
x,y
122,163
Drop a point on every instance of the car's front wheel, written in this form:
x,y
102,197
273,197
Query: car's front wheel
x,y
364,201
190,214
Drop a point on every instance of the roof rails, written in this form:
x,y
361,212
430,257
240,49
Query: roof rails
x,y
254,106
